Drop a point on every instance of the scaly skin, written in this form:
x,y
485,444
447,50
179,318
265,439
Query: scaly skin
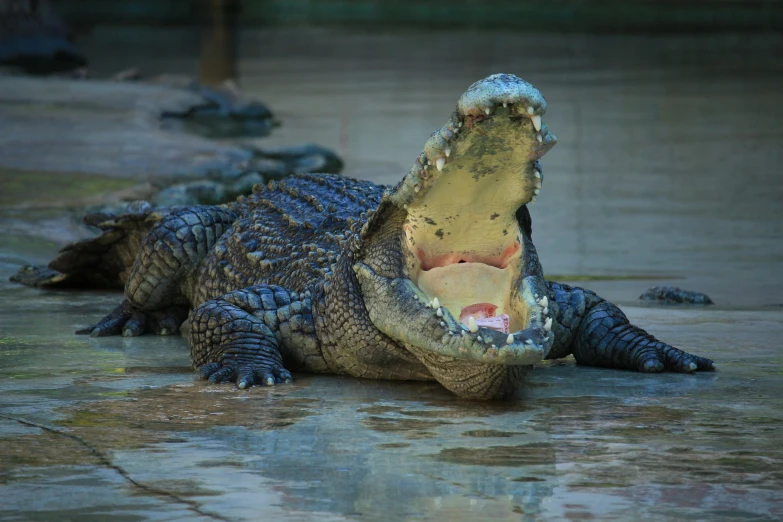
x,y
321,273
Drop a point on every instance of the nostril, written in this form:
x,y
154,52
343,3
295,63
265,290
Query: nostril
x,y
461,260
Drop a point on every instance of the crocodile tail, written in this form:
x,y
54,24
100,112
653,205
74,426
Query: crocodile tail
x,y
103,261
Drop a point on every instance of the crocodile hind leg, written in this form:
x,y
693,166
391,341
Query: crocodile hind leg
x,y
157,293
599,334
242,336
130,321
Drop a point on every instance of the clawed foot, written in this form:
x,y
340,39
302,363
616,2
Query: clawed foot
x,y
132,322
667,358
244,374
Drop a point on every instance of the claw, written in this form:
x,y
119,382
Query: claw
x,y
208,369
652,366
85,331
226,373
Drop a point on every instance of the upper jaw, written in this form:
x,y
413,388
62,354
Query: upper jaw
x,y
502,95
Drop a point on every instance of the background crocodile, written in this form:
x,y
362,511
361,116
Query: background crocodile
x,y
434,278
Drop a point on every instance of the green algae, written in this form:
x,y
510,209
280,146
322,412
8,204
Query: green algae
x,y
25,187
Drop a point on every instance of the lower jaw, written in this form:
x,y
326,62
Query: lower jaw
x,y
472,380
465,285
400,310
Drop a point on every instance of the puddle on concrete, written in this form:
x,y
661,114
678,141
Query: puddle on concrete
x,y
506,456
408,428
491,433
642,189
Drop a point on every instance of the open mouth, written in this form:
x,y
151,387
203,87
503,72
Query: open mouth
x,y
470,265
462,230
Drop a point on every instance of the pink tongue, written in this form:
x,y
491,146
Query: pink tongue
x,y
484,315
499,323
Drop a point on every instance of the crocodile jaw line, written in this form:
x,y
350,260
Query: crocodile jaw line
x,y
460,238
400,309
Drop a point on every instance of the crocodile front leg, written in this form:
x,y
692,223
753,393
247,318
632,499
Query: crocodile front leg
x,y
246,336
597,333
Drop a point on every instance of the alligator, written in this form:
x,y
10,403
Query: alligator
x,y
434,278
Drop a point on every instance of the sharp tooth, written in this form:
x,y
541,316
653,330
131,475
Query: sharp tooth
x,y
439,163
460,123
537,183
509,339
472,326
537,174
447,151
443,324
416,188
536,191
480,339
435,303
539,138
548,324
530,110
505,104
439,313
532,200
529,342
544,302
546,311
487,111
536,122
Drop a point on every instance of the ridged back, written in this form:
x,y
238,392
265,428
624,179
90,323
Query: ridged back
x,y
290,233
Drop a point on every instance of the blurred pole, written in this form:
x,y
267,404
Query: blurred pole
x,y
218,41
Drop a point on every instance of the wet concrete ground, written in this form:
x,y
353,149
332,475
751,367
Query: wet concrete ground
x,y
667,172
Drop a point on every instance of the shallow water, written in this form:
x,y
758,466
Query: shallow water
x,y
667,172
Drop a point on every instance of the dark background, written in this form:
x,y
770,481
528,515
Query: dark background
x,y
552,15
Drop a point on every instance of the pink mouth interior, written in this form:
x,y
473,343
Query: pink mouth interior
x,y
484,315
428,262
